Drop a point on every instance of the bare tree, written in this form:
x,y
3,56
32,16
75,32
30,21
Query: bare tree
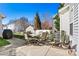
x,y
46,24
22,23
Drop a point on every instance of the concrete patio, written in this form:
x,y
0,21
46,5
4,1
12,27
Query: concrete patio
x,y
19,48
40,51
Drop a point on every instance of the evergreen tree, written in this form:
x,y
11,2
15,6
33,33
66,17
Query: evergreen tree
x,y
57,18
57,22
37,22
61,5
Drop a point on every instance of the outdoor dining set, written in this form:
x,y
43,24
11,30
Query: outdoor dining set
x,y
42,37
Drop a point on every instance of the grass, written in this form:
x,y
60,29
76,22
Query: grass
x,y
19,35
3,42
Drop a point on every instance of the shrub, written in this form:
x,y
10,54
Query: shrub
x,y
64,37
51,36
7,34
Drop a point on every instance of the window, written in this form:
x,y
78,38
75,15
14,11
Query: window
x,y
71,29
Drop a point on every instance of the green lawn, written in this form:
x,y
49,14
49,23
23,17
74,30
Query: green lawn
x,y
3,42
19,35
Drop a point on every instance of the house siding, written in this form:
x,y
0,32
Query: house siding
x,y
76,26
64,20
73,17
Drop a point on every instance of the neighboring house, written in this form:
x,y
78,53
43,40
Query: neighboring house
x,y
1,18
30,28
1,29
11,26
4,26
1,26
18,25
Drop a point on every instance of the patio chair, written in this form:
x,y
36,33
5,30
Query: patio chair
x,y
43,37
32,39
